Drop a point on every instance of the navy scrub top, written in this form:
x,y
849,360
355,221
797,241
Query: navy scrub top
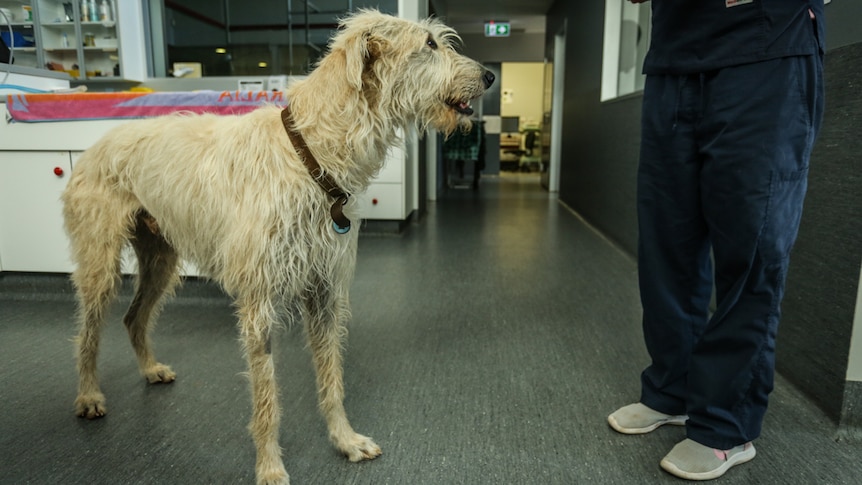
x,y
695,36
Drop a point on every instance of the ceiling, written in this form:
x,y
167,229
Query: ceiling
x,y
469,16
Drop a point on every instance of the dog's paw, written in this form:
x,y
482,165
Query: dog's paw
x,y
275,481
160,373
359,448
90,406
275,475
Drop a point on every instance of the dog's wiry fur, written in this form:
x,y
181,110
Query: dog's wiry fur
x,y
231,195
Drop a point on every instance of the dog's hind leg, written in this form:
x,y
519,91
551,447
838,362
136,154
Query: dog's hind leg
x,y
157,276
257,317
97,235
325,316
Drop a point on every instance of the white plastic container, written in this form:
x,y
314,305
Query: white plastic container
x,y
6,16
106,43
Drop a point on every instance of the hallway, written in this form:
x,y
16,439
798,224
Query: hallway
x,y
488,343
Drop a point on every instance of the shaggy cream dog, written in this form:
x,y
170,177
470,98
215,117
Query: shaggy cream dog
x,y
264,212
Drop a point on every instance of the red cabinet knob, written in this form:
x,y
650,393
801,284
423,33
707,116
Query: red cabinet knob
x,y
58,171
374,201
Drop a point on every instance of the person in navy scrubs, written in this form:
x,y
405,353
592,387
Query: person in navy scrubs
x,y
732,105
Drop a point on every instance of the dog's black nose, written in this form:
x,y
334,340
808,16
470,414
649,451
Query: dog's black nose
x,y
489,79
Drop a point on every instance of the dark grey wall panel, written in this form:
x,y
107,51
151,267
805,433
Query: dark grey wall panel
x,y
491,107
519,47
820,302
600,140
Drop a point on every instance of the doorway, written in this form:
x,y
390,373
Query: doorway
x,y
522,117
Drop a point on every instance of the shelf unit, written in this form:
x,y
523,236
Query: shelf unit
x,y
22,39
91,44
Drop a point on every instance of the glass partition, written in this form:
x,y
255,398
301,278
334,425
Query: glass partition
x,y
242,38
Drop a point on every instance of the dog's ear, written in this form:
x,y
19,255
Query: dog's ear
x,y
374,46
360,52
354,60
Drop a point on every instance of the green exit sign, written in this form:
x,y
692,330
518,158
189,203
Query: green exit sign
x,y
497,29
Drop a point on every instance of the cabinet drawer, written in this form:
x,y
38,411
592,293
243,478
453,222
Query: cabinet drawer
x,y
31,214
382,201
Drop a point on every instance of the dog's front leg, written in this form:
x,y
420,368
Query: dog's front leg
x,y
325,337
256,322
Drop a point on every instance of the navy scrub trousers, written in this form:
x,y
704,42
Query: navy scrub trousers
x,y
723,172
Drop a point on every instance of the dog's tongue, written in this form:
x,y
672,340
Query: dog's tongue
x,y
465,108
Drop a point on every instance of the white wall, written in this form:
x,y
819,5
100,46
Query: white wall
x,y
414,10
522,90
854,362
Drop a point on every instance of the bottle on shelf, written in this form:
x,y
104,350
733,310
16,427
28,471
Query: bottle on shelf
x,y
105,11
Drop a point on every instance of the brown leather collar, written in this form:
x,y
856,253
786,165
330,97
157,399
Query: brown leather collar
x,y
340,222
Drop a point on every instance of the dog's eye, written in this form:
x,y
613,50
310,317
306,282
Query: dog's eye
x,y
431,42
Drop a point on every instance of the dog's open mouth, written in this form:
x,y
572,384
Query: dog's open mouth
x,y
462,107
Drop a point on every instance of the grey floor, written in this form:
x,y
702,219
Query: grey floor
x,y
488,344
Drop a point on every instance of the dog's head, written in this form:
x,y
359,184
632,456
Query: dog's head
x,y
408,71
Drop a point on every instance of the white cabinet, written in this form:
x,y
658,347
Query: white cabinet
x,y
388,196
32,238
31,219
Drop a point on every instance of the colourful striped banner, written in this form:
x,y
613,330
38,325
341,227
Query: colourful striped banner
x,y
127,105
